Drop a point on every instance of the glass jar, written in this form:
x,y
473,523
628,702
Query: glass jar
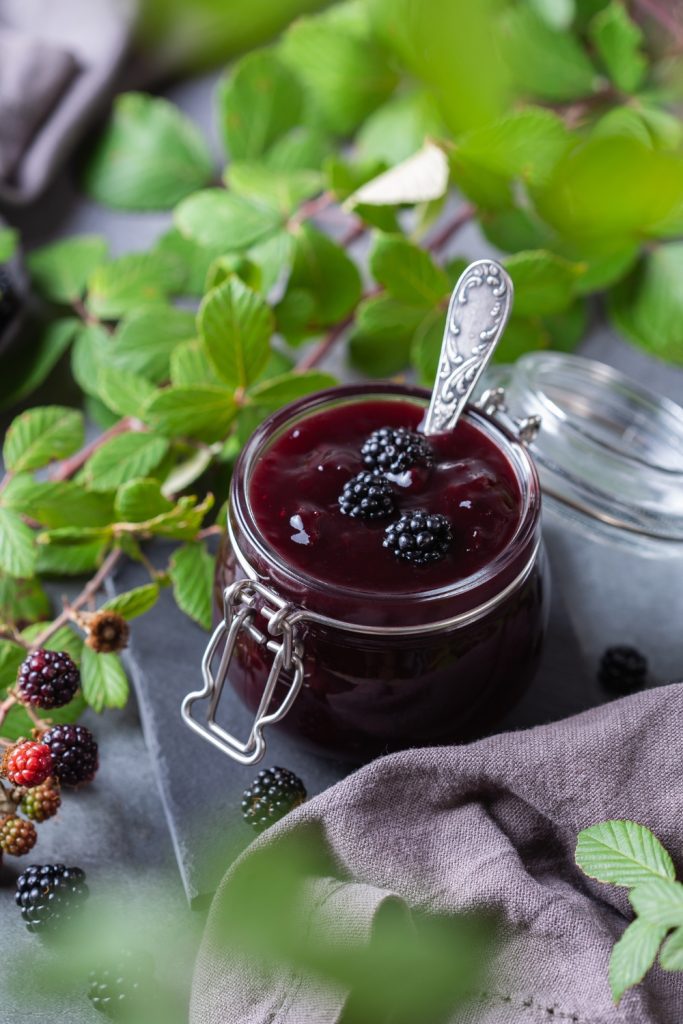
x,y
610,461
355,674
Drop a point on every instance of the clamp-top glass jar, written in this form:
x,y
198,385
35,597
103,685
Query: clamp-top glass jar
x,y
324,626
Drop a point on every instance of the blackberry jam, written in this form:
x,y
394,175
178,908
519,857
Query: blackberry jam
x,y
375,652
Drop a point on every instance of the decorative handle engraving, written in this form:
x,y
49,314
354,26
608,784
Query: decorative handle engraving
x,y
477,314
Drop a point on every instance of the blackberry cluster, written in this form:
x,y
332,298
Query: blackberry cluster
x,y
367,496
396,449
623,670
419,537
48,679
74,753
272,794
9,302
50,894
123,986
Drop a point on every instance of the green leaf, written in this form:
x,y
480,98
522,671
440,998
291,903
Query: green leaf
x,y
76,535
19,724
324,270
525,145
56,503
419,179
26,366
278,391
131,283
283,190
190,364
633,956
514,229
22,600
91,350
192,259
65,639
304,148
149,157
144,342
214,217
274,258
544,283
647,306
40,435
622,853
236,325
71,560
133,602
9,239
122,391
258,103
426,345
183,521
17,545
671,957
139,500
122,458
559,14
61,270
234,264
185,473
191,572
605,270
547,63
103,680
407,272
382,337
346,76
202,412
659,902
618,41
11,657
400,127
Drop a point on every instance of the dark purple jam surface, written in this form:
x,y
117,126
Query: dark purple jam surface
x,y
296,483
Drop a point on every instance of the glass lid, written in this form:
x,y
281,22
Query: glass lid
x,y
607,446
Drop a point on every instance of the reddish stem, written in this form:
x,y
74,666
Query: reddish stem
x,y
464,215
89,591
68,467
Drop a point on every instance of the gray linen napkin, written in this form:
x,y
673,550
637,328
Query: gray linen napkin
x,y
490,826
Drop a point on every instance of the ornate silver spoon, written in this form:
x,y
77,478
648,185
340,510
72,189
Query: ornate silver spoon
x,y
477,314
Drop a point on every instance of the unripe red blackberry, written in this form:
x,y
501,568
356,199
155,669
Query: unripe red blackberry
x,y
74,753
27,763
17,836
48,679
42,802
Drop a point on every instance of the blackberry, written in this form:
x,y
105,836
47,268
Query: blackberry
x,y
396,449
48,679
623,670
9,302
17,836
42,802
367,496
49,894
273,793
74,753
419,537
123,987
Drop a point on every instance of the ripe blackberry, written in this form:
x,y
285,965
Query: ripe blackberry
x,y
419,537
9,302
123,987
396,449
107,632
367,496
42,802
273,793
623,670
48,679
27,763
17,836
74,752
49,894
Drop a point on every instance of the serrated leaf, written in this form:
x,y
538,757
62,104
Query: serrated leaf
x,y
622,853
647,306
191,572
144,342
283,190
26,366
633,956
123,392
9,239
202,412
149,157
544,283
71,560
545,62
328,277
258,102
17,545
274,257
122,458
524,145
131,283
618,41
214,217
22,600
659,902
133,602
671,957
77,535
419,179
407,272
138,500
278,391
382,335
191,365
61,270
399,127
234,264
91,351
183,521
236,325
38,436
192,259
103,680
11,657
54,503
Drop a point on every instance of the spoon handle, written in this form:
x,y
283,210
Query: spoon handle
x,y
477,314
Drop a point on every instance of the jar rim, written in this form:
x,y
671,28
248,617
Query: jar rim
x,y
466,593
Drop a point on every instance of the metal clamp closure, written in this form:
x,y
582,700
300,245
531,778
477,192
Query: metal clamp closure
x,y
242,610
493,403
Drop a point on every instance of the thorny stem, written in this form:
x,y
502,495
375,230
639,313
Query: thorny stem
x,y
89,590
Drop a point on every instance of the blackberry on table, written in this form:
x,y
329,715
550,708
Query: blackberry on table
x,y
623,670
396,449
419,537
48,679
273,793
49,895
123,986
367,496
74,753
